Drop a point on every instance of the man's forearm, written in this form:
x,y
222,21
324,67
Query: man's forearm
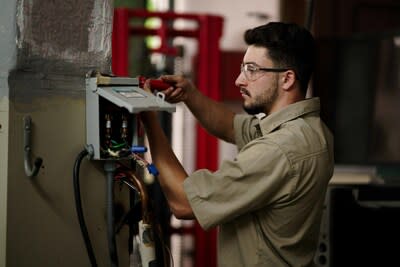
x,y
215,117
171,172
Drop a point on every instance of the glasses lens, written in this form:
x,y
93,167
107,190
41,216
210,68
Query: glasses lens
x,y
250,71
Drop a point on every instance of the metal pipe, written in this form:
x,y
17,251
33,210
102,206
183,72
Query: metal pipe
x,y
109,168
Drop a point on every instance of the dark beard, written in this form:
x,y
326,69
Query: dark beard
x,y
254,110
264,107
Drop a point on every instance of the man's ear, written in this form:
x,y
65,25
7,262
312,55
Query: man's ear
x,y
288,80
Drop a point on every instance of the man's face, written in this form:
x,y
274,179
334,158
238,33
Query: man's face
x,y
259,89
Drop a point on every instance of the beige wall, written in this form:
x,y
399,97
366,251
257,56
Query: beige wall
x,y
7,62
43,229
44,77
4,106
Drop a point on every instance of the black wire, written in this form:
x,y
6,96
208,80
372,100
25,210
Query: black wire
x,y
110,217
78,205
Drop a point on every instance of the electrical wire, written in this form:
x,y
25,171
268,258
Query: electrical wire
x,y
78,205
116,145
139,185
167,254
110,167
130,178
151,168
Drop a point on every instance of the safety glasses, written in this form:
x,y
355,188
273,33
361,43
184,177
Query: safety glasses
x,y
252,71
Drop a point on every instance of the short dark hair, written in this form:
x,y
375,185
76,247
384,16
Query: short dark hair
x,y
289,45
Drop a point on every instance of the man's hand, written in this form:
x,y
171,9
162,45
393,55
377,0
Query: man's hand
x,y
213,116
180,90
172,174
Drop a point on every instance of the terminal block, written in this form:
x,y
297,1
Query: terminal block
x,y
112,107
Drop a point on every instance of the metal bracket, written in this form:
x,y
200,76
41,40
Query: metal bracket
x,y
27,150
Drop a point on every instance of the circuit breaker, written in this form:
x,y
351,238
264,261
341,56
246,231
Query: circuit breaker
x,y
112,107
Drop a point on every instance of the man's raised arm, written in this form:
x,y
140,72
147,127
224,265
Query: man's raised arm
x,y
215,117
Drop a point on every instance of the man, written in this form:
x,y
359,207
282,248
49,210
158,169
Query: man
x,y
268,201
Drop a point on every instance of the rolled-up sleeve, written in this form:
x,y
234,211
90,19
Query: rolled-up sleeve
x,y
259,175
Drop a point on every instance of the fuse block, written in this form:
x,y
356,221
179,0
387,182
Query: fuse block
x,y
112,108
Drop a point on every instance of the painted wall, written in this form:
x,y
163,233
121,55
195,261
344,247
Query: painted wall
x,y
49,47
7,62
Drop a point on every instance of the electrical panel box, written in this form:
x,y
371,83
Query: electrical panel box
x,y
112,107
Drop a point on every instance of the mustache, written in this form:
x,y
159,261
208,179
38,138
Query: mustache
x,y
244,91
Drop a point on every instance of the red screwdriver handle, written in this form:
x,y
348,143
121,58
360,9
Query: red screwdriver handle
x,y
158,85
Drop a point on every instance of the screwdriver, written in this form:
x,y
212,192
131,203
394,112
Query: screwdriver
x,y
155,85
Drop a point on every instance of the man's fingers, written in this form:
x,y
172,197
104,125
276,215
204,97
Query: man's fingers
x,y
169,78
146,86
176,92
175,96
167,92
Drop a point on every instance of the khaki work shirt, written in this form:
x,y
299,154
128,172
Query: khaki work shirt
x,y
268,201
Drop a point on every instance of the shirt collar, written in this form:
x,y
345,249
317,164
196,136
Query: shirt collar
x,y
291,112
